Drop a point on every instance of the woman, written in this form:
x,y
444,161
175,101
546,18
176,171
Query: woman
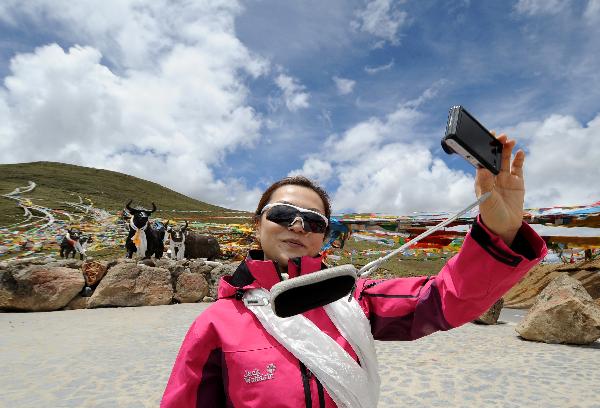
x,y
230,357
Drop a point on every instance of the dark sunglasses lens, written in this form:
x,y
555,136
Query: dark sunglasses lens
x,y
281,214
284,216
314,223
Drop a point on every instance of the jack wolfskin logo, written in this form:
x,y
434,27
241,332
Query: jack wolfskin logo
x,y
256,375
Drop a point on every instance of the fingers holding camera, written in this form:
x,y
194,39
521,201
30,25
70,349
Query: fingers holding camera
x,y
517,164
507,148
502,213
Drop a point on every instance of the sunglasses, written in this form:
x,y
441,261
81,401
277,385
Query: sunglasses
x,y
287,214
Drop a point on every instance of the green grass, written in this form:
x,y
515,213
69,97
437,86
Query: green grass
x,y
108,190
398,266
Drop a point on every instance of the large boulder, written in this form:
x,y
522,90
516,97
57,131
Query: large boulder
x,y
203,268
190,287
524,293
147,262
93,271
21,263
491,316
78,302
66,263
215,277
563,313
129,284
175,267
165,263
39,288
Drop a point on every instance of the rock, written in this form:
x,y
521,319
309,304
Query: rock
x,y
562,313
176,271
93,271
147,262
208,299
175,267
123,260
43,260
129,284
524,293
215,276
78,302
66,263
21,263
39,288
191,287
165,263
491,316
202,267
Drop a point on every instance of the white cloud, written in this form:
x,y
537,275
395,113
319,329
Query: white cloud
x,y
379,68
377,174
314,169
401,178
536,7
374,132
592,11
381,19
374,173
378,166
561,167
344,85
293,92
169,109
427,95
356,141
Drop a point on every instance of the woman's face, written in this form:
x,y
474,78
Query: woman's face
x,y
281,243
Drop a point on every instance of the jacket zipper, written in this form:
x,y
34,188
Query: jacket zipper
x,y
278,271
306,383
370,285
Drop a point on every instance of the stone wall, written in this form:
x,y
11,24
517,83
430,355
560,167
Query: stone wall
x,y
47,284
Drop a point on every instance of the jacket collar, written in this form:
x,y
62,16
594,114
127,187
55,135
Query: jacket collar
x,y
255,272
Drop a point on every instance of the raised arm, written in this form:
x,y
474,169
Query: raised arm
x,y
498,251
470,283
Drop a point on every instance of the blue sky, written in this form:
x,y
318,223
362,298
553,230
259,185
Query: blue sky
x,y
218,99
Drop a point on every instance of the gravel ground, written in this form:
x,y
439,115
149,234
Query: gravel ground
x,y
122,357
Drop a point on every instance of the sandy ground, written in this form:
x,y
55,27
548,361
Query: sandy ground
x,y
122,357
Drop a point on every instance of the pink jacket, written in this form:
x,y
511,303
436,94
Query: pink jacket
x,y
227,359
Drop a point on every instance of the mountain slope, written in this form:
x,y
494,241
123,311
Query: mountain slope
x,y
109,190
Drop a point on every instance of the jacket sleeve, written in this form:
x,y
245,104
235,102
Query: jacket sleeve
x,y
469,284
196,379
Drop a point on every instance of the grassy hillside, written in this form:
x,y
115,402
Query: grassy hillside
x,y
108,190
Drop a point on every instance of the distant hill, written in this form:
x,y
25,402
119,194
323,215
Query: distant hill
x,y
108,190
